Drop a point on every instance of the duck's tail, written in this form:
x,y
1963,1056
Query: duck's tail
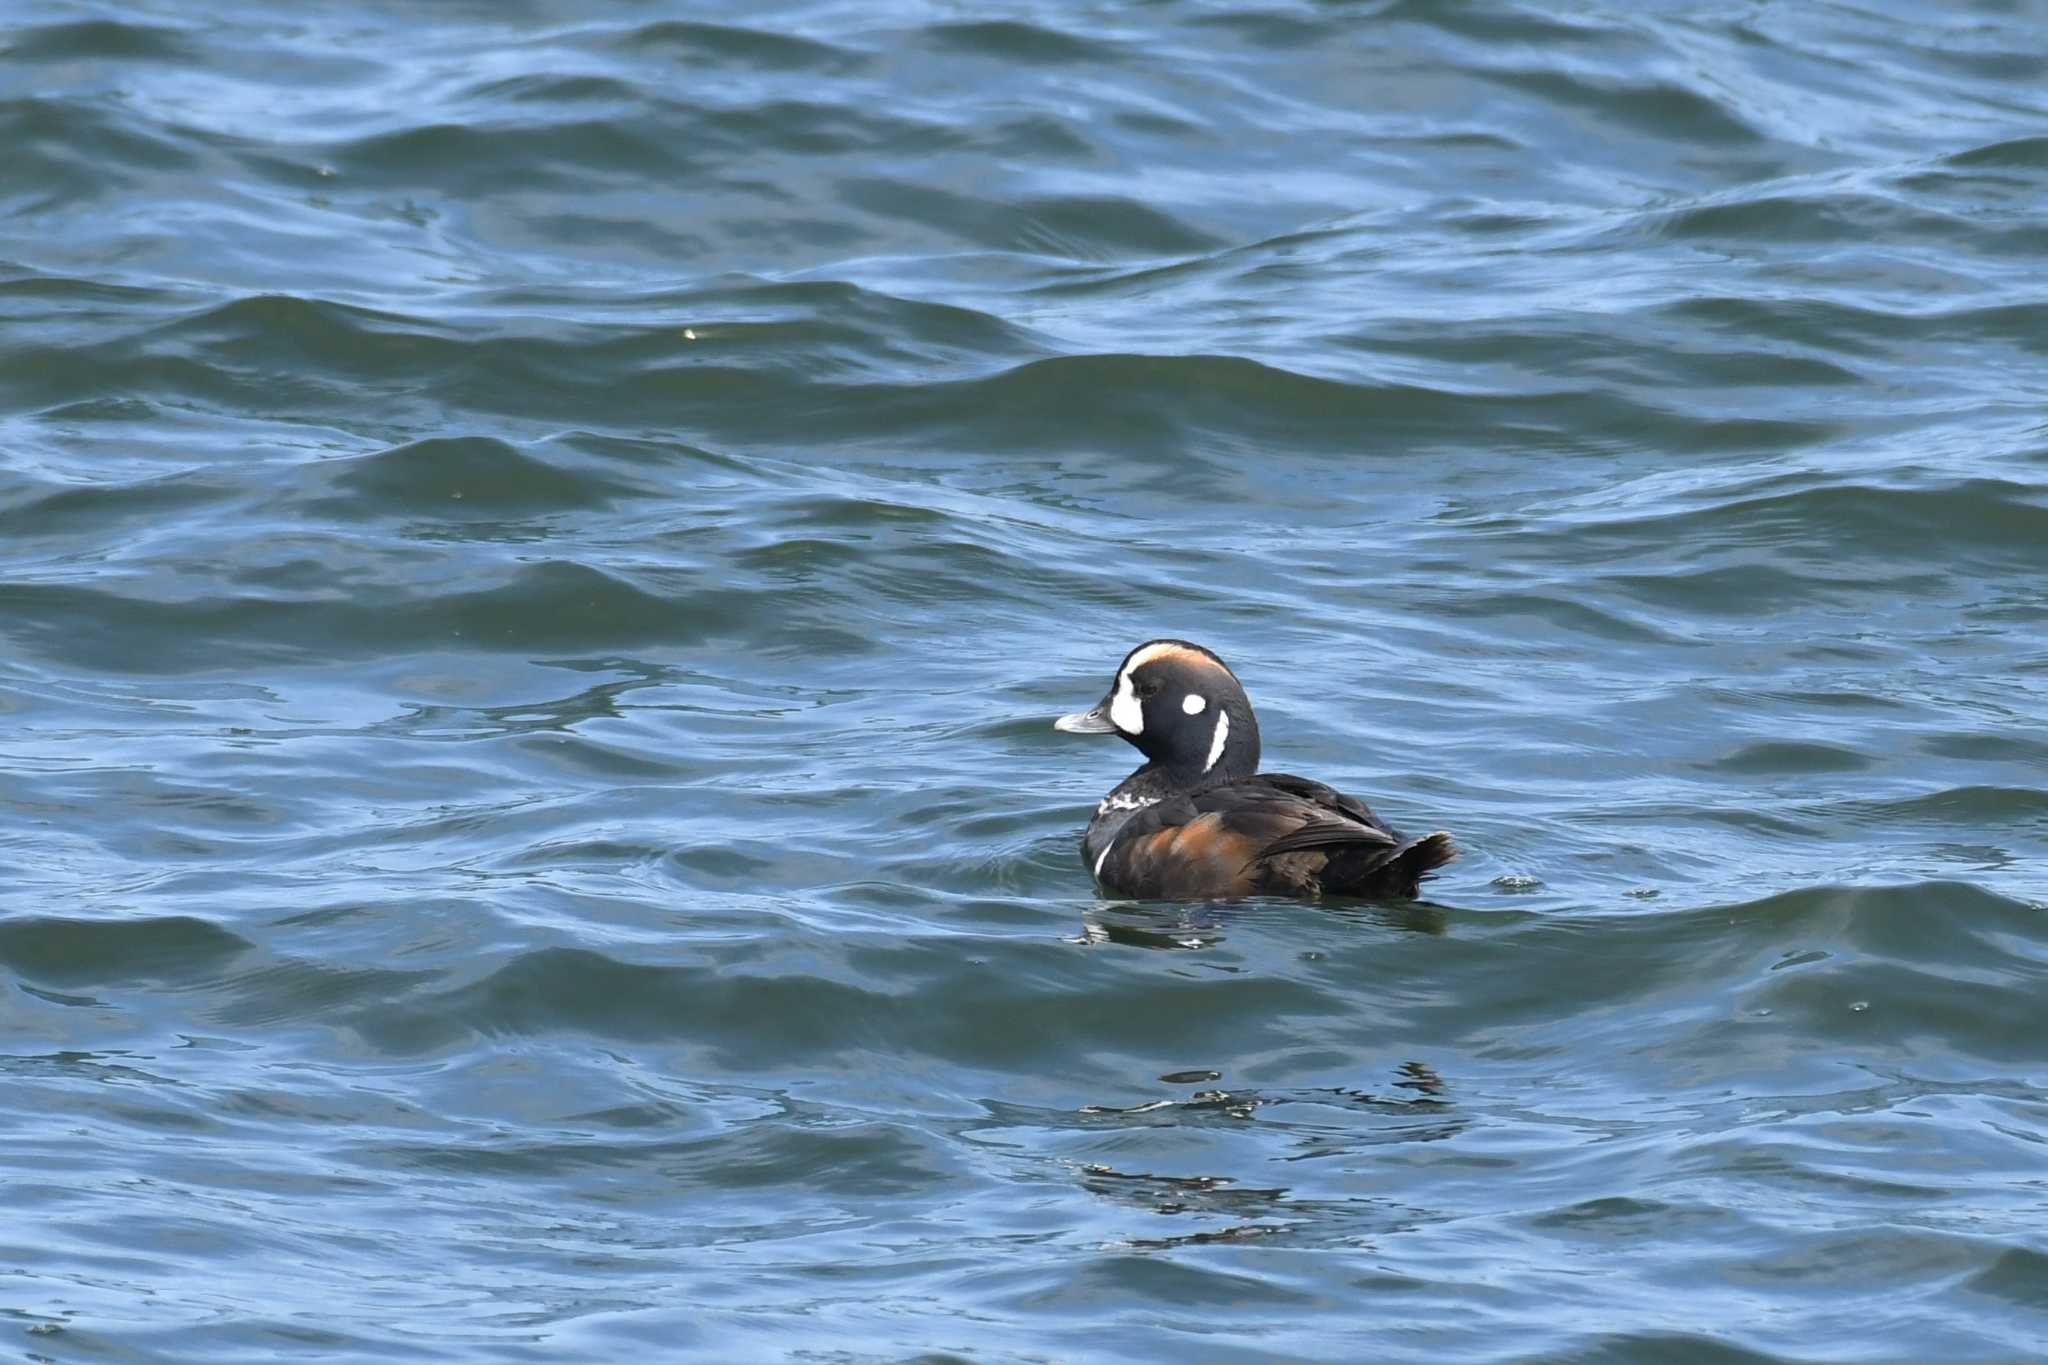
x,y
1399,873
1423,857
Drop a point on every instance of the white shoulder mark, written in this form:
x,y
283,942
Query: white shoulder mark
x,y
1114,803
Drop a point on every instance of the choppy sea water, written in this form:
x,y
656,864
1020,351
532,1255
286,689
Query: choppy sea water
x,y
539,546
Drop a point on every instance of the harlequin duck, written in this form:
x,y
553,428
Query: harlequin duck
x,y
1199,820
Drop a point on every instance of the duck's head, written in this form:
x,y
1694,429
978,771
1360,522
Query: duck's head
x,y
1184,710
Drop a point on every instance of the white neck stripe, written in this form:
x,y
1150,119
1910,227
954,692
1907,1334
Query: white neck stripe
x,y
1222,737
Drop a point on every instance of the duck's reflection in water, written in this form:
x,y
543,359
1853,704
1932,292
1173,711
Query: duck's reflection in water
x,y
1204,924
1328,1125
1310,1124
1137,924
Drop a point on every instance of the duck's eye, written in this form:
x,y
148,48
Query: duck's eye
x,y
1149,688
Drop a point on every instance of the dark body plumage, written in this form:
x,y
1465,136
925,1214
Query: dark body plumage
x,y
1199,820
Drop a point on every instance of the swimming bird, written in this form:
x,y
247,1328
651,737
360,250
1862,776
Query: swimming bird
x,y
1199,820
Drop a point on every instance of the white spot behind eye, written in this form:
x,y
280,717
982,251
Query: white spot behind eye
x,y
1194,703
1126,712
1222,737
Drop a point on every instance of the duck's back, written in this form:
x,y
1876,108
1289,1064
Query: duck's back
x,y
1268,834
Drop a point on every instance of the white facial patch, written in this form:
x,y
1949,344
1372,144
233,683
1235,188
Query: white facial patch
x,y
1126,713
1194,703
1222,738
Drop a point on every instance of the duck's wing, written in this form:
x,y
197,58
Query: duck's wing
x,y
1224,841
1396,867
1294,813
1320,794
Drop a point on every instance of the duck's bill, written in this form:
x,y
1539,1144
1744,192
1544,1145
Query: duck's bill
x,y
1094,721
